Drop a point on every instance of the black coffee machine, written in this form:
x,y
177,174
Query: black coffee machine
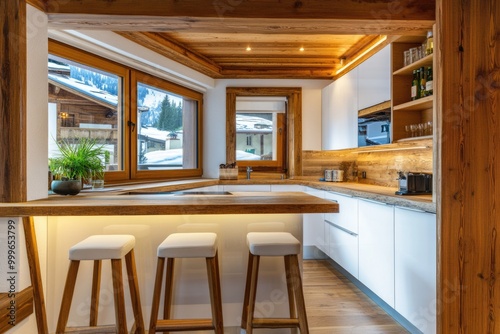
x,y
414,183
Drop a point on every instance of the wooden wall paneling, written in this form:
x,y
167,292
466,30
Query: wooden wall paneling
x,y
13,101
380,166
468,218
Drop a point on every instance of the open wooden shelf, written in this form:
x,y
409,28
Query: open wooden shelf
x,y
420,104
407,70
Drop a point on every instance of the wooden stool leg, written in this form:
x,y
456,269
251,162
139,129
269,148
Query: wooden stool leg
x,y
155,304
35,275
96,287
169,284
134,293
215,293
119,296
289,287
252,293
299,294
69,289
247,291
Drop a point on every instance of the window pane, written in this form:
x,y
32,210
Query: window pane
x,y
85,102
256,136
167,126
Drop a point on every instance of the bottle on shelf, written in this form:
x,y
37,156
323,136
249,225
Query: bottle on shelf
x,y
430,43
428,82
415,85
422,81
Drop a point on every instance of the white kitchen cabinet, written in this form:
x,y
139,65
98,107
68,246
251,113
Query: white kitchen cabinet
x,y
313,225
415,267
343,248
376,248
346,218
247,187
339,112
374,79
342,231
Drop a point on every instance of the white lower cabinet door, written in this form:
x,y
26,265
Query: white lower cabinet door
x,y
415,267
376,248
313,229
344,248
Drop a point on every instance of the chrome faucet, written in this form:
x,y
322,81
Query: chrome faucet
x,y
249,170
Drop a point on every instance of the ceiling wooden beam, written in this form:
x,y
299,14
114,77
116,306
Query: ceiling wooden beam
x,y
279,72
172,50
369,26
382,10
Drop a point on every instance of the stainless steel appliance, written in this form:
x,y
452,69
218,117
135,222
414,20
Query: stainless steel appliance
x,y
414,183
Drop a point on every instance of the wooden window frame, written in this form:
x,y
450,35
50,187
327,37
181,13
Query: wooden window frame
x,y
293,152
129,133
150,80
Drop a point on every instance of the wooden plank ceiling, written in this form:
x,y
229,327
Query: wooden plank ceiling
x,y
310,39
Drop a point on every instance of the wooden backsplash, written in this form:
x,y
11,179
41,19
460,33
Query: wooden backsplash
x,y
381,164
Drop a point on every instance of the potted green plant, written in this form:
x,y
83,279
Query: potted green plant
x,y
77,161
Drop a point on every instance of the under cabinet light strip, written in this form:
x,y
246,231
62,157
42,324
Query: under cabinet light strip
x,y
373,46
393,149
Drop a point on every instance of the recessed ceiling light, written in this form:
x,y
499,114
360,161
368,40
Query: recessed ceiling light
x,y
249,48
301,48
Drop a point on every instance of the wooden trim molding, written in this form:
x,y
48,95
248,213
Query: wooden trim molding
x,y
13,101
293,126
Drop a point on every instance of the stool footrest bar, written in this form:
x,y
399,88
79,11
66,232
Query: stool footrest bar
x,y
275,323
97,329
184,325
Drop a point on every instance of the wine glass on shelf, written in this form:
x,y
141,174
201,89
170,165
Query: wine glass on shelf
x,y
413,129
408,131
420,129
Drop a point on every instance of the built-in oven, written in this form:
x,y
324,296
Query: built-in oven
x,y
374,129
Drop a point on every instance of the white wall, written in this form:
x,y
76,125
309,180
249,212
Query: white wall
x,y
214,117
37,103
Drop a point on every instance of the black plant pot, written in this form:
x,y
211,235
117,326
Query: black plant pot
x,y
69,187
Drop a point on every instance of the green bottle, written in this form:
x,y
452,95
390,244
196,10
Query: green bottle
x,y
422,82
428,82
415,87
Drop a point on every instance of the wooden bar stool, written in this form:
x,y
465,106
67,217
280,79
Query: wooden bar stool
x,y
98,248
186,245
274,244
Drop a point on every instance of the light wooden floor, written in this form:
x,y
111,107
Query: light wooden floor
x,y
335,305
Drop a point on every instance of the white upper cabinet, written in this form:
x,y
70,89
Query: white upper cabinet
x,y
364,86
374,79
340,113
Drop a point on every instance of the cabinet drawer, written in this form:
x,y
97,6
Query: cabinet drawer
x,y
344,249
347,217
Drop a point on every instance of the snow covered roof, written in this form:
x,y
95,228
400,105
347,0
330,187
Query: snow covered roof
x,y
174,157
253,124
80,88
152,132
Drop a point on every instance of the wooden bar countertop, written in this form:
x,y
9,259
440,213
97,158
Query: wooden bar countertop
x,y
168,204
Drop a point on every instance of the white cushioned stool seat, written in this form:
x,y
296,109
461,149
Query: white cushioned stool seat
x,y
100,247
188,245
272,243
